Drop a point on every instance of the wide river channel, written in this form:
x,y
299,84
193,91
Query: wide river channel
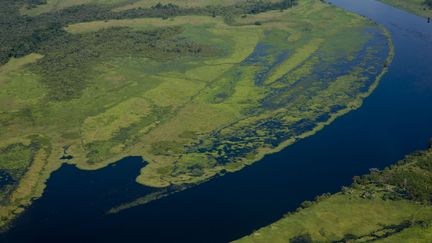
x,y
395,120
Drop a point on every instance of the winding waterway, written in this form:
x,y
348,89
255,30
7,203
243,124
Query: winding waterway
x,y
395,120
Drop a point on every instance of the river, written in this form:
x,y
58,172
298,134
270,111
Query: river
x,y
395,120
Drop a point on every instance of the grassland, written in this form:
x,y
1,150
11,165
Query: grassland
x,y
393,205
121,5
181,3
418,7
195,96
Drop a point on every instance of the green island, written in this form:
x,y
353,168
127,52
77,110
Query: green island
x,y
419,7
391,205
196,88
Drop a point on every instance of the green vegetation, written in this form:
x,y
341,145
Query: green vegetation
x,y
21,31
38,7
392,205
65,75
14,161
197,91
418,7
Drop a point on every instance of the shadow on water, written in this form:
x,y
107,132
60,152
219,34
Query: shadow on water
x,y
394,120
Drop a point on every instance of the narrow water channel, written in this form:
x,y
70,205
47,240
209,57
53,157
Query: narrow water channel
x,y
395,120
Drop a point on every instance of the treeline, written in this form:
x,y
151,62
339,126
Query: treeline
x,y
410,178
429,3
21,35
35,3
248,7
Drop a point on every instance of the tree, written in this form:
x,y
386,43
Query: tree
x,y
304,238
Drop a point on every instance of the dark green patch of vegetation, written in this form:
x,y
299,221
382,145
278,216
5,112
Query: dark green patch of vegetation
x,y
166,148
411,178
68,61
304,238
14,162
419,7
16,158
69,58
384,232
35,3
20,35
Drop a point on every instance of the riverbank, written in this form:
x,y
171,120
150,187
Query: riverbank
x,y
417,7
192,105
392,122
391,205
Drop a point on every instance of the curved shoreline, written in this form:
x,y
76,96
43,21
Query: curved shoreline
x,y
353,106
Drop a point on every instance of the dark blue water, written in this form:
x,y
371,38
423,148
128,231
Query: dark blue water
x,y
5,179
395,120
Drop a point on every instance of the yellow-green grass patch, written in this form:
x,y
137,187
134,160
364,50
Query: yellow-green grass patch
x,y
104,125
338,216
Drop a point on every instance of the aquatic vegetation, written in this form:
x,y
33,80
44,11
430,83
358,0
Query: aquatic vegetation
x,y
392,205
195,95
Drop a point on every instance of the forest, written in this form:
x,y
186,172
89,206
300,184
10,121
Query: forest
x,y
20,35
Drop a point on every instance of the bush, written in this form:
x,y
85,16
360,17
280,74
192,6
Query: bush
x,y
304,238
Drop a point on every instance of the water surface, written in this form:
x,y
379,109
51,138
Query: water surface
x,y
395,120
